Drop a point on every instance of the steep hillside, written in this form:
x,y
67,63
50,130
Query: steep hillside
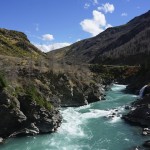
x,y
126,44
32,88
14,43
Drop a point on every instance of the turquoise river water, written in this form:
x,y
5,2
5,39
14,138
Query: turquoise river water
x,y
88,128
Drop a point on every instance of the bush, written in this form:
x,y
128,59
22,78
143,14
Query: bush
x,y
3,82
36,96
97,68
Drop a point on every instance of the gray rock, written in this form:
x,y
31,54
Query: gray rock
x,y
44,120
146,131
24,132
127,107
12,119
140,115
147,144
7,99
1,140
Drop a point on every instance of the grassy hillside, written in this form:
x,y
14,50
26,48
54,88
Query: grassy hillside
x,y
14,43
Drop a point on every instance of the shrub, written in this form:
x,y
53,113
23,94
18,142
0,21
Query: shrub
x,y
36,96
3,82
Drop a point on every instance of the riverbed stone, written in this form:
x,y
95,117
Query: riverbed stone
x,y
140,115
147,144
1,140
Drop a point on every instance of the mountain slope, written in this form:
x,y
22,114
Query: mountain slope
x,y
32,90
126,44
14,43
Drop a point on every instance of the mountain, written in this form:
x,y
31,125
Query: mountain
x,y
126,44
14,43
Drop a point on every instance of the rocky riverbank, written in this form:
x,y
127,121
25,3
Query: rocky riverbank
x,y
139,115
30,99
23,116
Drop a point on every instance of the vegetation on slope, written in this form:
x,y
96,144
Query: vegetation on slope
x,y
115,73
34,95
3,82
14,43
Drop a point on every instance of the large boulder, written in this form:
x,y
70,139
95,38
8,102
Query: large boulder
x,y
1,140
12,120
147,144
141,114
45,120
22,116
30,130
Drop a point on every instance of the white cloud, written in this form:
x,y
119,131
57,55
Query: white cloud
x,y
46,48
99,18
47,37
95,2
107,8
87,5
78,40
91,27
124,14
95,25
108,26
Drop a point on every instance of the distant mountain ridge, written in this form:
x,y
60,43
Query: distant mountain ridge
x,y
126,44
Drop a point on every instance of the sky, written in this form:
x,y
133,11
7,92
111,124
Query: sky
x,y
52,24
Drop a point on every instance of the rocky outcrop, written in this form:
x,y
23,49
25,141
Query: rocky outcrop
x,y
147,144
29,107
45,120
140,115
10,114
23,116
140,79
1,140
74,90
81,96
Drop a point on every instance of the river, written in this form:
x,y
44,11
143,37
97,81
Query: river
x,y
88,128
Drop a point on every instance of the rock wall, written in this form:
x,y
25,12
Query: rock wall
x,y
139,115
24,117
30,104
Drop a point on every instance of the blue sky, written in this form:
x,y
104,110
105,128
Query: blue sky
x,y
51,24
